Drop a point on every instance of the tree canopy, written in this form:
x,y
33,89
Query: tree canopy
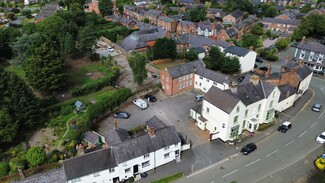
x,y
312,25
249,40
164,48
196,15
36,156
258,29
105,7
137,62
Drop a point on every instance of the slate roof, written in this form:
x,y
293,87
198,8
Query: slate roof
x,y
250,93
219,27
116,136
223,99
90,137
302,70
188,23
187,1
193,40
184,69
198,50
215,11
221,43
139,38
152,12
213,75
89,163
232,32
237,14
312,46
240,51
165,19
286,89
155,123
280,21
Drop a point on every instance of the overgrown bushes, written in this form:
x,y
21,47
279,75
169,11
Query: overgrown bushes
x,y
269,54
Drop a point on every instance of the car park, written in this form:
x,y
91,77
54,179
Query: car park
x,y
259,60
122,114
198,98
284,127
316,107
150,98
248,149
321,138
140,103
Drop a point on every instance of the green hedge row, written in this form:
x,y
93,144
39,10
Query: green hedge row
x,y
116,98
94,86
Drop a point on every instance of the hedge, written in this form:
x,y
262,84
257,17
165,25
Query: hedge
x,y
94,86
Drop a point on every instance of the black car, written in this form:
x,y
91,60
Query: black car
x,y
259,59
248,149
150,98
284,127
263,68
295,45
122,114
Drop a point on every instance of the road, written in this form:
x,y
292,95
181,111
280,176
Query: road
x,y
275,153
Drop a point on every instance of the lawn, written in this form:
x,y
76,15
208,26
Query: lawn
x,y
89,73
170,64
169,178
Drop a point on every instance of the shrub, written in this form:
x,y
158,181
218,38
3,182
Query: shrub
x,y
67,109
4,169
36,156
16,163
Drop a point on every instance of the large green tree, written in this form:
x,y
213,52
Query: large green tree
x,y
282,43
249,40
137,62
5,49
21,45
36,156
214,59
271,12
164,48
45,69
230,65
105,7
258,29
8,127
312,25
4,169
196,15
86,38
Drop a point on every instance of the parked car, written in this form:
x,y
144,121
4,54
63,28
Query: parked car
x,y
263,68
259,60
321,138
122,114
248,149
198,98
154,75
272,38
150,98
110,49
140,103
295,45
316,107
284,127
241,78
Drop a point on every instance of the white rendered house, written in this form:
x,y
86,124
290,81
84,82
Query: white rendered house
x,y
205,78
245,56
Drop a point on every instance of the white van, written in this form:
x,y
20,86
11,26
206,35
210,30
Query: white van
x,y
140,103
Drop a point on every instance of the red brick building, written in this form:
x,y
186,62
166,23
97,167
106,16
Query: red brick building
x,y
186,27
179,78
167,23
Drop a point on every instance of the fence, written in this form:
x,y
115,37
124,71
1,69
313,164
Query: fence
x,y
162,61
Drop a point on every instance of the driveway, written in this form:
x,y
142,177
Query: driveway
x,y
175,111
267,42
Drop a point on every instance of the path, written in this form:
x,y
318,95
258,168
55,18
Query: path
x,y
67,124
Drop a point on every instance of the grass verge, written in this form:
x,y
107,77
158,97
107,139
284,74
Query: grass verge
x,y
169,178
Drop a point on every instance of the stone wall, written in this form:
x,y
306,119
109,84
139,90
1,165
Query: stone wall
x,y
115,46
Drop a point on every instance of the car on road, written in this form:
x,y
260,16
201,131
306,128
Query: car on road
x,y
321,138
198,98
150,98
122,114
316,107
110,49
140,103
259,60
284,127
248,148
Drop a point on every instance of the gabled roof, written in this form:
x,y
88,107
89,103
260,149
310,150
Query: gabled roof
x,y
88,163
280,21
165,19
221,43
155,123
240,51
212,75
237,14
232,32
152,12
90,137
188,23
116,136
250,93
215,11
286,91
301,69
184,69
222,99
312,46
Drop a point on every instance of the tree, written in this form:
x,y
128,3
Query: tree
x,y
165,1
5,49
68,44
191,55
146,20
21,45
258,29
164,48
196,15
86,38
282,43
45,69
8,128
105,7
312,25
4,169
137,62
271,12
36,156
230,65
27,13
214,59
249,40
306,8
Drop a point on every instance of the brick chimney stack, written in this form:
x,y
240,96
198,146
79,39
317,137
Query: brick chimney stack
x,y
231,43
251,48
288,94
303,39
254,79
80,149
115,11
287,58
268,72
115,124
151,131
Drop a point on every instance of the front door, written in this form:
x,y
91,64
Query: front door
x,y
135,169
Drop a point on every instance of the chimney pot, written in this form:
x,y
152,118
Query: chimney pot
x,y
288,94
231,43
251,48
254,79
115,124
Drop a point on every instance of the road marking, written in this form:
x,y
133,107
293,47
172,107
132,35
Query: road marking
x,y
211,166
289,143
252,162
314,124
230,173
302,133
272,153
